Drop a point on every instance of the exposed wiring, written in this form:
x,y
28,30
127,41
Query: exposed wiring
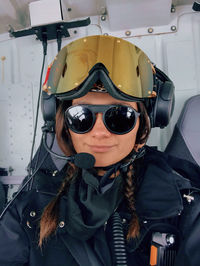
x,y
30,178
44,43
38,105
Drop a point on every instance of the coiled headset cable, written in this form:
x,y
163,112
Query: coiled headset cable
x,y
120,257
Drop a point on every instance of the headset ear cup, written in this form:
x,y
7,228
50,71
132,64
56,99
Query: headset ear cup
x,y
48,107
164,105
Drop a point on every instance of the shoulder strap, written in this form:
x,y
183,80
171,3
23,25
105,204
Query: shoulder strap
x,y
80,251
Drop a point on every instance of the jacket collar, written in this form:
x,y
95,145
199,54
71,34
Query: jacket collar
x,y
159,193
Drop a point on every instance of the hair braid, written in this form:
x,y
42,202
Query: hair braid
x,y
129,188
49,218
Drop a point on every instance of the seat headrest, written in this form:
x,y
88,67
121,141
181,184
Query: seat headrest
x,y
187,132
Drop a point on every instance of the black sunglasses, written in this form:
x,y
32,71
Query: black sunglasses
x,y
118,119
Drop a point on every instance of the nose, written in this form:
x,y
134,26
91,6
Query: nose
x,y
99,130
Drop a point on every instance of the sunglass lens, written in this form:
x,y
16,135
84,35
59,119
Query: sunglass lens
x,y
79,119
120,119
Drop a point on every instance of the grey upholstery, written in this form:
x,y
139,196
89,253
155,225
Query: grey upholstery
x,y
185,141
59,163
49,162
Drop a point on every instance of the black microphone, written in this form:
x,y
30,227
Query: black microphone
x,y
82,160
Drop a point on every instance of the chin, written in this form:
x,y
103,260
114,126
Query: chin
x,y
105,163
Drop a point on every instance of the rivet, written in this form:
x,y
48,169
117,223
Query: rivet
x,y
3,58
61,224
69,9
103,18
119,86
32,214
128,33
76,83
173,28
54,172
118,41
105,224
123,220
150,30
145,222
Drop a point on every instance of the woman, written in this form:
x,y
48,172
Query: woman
x,y
128,207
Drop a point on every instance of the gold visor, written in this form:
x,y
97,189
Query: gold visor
x,y
129,68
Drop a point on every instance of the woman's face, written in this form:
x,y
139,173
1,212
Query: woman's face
x,y
106,147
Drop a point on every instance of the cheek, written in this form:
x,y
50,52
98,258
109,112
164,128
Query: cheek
x,y
77,140
127,143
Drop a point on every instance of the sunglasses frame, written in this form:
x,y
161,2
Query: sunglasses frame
x,y
94,109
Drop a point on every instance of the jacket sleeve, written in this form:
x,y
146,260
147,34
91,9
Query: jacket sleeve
x,y
189,246
14,244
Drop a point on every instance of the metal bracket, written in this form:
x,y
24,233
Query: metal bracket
x,y
52,31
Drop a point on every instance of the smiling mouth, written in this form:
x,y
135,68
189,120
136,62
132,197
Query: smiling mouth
x,y
97,148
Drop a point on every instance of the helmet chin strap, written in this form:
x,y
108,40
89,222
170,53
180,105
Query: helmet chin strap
x,y
134,155
119,166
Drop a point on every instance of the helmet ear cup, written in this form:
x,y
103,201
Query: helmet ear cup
x,y
48,107
163,105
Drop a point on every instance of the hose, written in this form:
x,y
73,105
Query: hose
x,y
120,258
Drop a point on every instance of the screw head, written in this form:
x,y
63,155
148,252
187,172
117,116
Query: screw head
x,y
150,30
32,214
61,224
128,33
173,28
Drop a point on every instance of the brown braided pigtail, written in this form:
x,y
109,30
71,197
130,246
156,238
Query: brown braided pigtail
x,y
49,218
129,188
130,177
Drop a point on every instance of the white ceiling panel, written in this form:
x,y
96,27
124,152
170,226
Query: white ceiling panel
x,y
16,12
